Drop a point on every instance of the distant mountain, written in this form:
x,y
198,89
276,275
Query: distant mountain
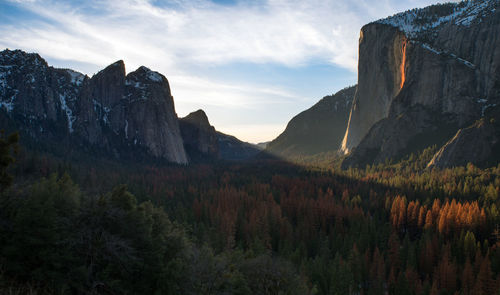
x,y
202,142
200,138
231,148
318,129
263,145
423,75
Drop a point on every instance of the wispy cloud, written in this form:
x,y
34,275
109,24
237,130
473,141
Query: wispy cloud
x,y
284,32
228,95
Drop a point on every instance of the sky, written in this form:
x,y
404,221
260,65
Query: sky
x,y
250,65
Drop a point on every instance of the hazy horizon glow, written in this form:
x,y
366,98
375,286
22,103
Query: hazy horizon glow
x,y
250,65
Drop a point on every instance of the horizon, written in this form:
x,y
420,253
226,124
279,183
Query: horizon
x,y
250,66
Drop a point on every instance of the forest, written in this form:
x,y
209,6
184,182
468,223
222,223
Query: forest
x,y
265,226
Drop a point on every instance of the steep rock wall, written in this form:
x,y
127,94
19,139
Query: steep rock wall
x,y
125,115
380,76
449,76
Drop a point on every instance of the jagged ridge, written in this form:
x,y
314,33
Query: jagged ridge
x,y
124,115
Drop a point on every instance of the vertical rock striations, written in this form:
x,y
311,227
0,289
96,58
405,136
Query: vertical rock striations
x,y
125,115
380,77
423,74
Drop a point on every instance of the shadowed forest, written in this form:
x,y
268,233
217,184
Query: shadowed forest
x,y
260,227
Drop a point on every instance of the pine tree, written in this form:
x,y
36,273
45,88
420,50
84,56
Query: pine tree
x,y
485,277
8,145
467,278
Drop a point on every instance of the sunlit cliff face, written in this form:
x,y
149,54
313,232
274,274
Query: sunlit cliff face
x,y
403,64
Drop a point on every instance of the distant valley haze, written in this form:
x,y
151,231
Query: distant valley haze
x,y
250,65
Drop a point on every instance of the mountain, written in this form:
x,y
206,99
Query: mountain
x,y
128,117
318,129
233,149
262,145
113,113
200,138
422,75
202,142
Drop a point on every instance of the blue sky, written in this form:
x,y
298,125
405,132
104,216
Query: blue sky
x,y
251,65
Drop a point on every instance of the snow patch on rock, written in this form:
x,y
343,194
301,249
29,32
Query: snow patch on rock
x,y
76,77
154,76
68,111
416,21
8,105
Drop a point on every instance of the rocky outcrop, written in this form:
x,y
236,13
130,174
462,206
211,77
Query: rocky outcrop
x,y
200,138
473,144
422,74
318,129
124,115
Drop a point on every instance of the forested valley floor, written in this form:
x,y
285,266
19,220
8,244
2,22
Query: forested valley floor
x,y
260,227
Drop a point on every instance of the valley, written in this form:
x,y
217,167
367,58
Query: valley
x,y
389,186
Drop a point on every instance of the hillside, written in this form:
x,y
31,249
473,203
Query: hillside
x,y
317,129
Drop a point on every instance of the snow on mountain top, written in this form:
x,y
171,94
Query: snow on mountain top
x,y
151,75
76,77
9,57
415,21
154,76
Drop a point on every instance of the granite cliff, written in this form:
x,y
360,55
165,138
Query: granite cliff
x,y
123,115
422,75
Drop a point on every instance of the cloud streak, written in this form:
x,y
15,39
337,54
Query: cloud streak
x,y
284,32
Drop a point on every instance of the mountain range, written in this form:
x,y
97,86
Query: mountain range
x,y
426,77
126,116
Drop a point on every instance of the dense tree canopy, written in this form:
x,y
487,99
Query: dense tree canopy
x,y
264,227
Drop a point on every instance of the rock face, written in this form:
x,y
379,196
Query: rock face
x,y
423,74
200,138
125,115
318,129
380,48
474,144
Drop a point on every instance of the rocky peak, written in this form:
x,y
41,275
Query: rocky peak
x,y
145,75
198,118
115,71
107,86
200,138
126,116
148,84
22,79
20,58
